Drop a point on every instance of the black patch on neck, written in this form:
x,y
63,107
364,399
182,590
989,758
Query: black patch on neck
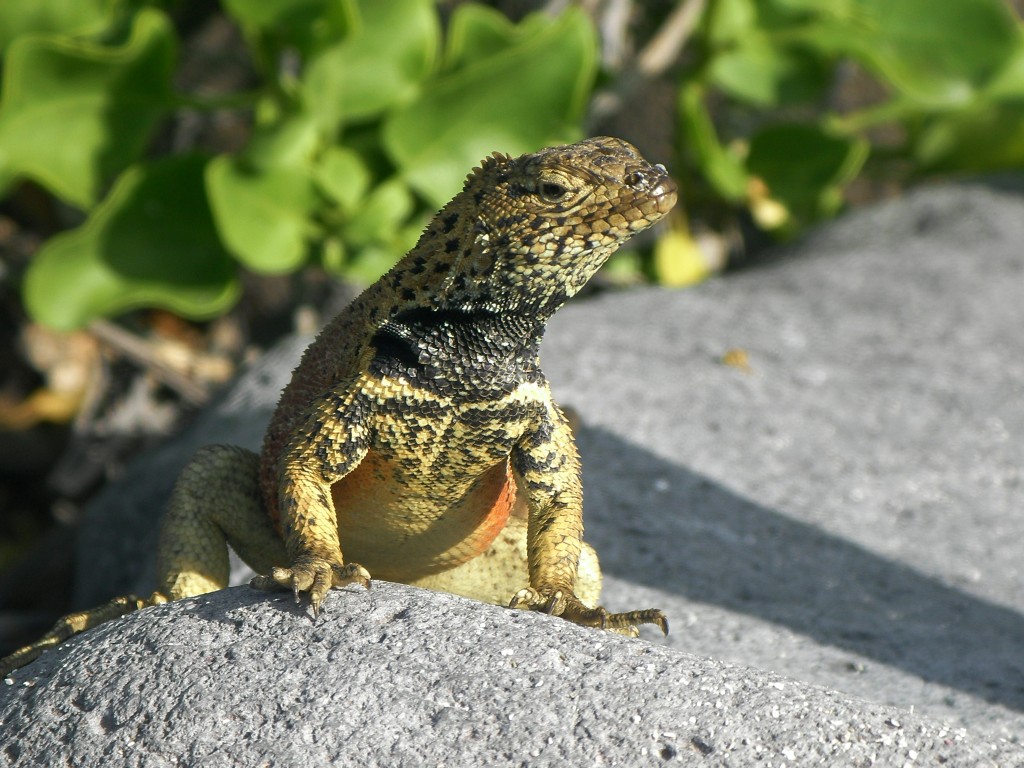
x,y
451,349
392,345
424,318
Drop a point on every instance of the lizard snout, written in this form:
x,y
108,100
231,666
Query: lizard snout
x,y
664,194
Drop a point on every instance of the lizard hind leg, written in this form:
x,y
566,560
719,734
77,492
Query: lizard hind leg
x,y
215,502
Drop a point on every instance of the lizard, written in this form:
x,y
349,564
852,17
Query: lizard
x,y
418,434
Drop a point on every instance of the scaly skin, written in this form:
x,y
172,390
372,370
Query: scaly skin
x,y
418,434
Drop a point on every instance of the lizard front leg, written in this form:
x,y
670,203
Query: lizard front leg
x,y
323,451
547,466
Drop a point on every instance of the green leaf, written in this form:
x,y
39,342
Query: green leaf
x,y
51,17
371,262
74,113
476,32
723,170
341,175
333,256
381,62
729,20
840,9
765,74
1008,83
804,167
264,200
271,14
519,99
290,141
264,216
383,211
987,138
151,242
272,27
937,53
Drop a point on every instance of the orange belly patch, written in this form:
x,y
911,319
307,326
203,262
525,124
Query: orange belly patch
x,y
426,527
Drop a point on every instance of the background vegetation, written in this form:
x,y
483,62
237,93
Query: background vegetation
x,y
364,116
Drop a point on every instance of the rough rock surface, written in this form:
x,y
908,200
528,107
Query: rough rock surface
x,y
846,513
394,677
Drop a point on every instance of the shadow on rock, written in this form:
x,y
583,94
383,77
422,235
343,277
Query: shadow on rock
x,y
694,537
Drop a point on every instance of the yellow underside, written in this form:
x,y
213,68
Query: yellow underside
x,y
401,536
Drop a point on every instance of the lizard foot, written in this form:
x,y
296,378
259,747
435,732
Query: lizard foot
x,y
570,608
314,575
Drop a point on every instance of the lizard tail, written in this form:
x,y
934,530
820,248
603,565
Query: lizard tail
x,y
74,623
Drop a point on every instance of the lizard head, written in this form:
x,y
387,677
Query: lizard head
x,y
535,228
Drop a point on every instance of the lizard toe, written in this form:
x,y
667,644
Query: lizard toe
x,y
554,602
315,576
351,573
569,607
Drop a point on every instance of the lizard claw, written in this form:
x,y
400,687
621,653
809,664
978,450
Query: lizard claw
x,y
552,603
571,608
314,575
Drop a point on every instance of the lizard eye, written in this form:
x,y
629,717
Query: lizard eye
x,y
552,191
635,179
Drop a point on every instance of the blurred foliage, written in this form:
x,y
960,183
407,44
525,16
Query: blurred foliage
x,y
367,116
952,72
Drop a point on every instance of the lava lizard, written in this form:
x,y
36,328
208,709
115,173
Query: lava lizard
x,y
418,434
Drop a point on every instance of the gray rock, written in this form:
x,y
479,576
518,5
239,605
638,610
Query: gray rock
x,y
846,513
397,676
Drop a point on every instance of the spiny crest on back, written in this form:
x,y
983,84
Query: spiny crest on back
x,y
489,162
